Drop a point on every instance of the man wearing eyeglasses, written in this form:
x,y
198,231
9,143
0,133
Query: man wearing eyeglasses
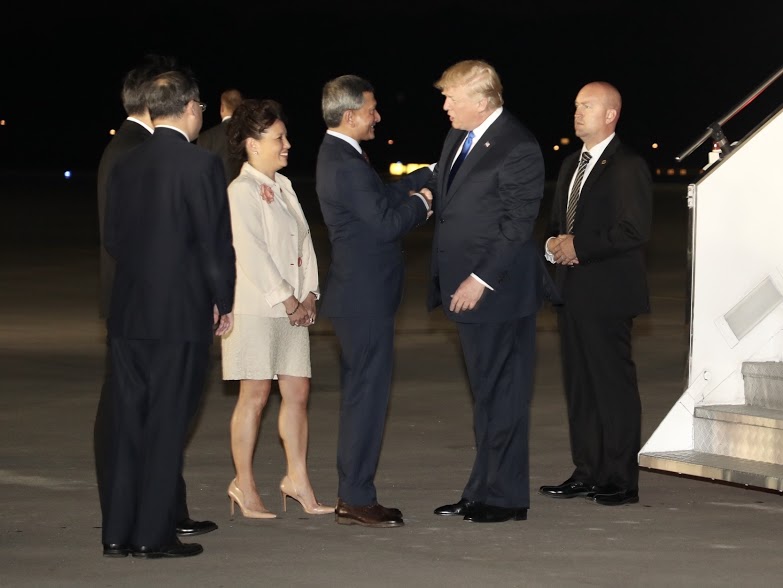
x,y
168,229
133,131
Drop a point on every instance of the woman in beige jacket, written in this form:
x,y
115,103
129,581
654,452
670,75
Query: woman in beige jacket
x,y
275,303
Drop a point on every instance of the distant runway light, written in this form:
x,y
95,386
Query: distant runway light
x,y
556,148
67,174
655,145
397,169
565,141
112,132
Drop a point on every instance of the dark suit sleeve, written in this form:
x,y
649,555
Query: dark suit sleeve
x,y
209,211
400,189
389,218
631,183
520,188
110,225
553,229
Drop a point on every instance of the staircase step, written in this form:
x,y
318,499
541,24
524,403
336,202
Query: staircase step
x,y
745,414
759,474
742,431
763,383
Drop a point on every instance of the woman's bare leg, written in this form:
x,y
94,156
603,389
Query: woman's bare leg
x,y
245,426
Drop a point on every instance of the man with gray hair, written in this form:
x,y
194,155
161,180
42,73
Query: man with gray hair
x,y
366,220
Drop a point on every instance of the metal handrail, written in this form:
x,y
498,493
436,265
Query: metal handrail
x,y
715,129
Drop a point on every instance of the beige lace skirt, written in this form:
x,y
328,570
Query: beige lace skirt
x,y
261,348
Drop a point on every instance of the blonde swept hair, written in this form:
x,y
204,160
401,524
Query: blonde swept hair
x,y
479,76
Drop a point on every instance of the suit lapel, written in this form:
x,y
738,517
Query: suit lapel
x,y
477,153
456,141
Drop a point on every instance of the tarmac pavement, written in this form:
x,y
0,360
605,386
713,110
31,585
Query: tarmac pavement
x,y
684,531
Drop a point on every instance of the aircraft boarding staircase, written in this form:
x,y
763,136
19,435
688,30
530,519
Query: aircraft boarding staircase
x,y
728,423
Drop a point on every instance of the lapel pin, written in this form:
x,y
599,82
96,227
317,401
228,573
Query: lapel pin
x,y
603,162
486,144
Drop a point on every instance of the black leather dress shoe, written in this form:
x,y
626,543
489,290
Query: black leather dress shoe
x,y
176,549
115,550
486,513
617,498
461,508
568,489
191,527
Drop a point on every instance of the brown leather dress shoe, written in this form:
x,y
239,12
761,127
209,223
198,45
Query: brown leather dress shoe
x,y
373,515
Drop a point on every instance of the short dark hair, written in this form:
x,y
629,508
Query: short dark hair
x,y
168,93
133,97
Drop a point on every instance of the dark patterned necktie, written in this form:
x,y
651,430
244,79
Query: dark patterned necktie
x,y
573,198
461,157
366,157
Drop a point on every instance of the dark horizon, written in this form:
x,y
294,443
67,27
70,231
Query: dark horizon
x,y
679,69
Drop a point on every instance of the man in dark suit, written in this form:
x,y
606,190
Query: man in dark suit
x,y
167,227
135,129
487,274
596,238
216,138
366,220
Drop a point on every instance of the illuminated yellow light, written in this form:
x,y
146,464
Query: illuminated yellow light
x,y
655,145
398,168
112,132
565,141
2,123
390,142
556,148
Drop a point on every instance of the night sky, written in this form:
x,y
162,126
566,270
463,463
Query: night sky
x,y
679,66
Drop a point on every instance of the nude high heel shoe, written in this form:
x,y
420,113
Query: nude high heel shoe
x,y
287,488
236,495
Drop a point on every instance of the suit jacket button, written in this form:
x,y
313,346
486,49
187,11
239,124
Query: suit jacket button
x,y
443,220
